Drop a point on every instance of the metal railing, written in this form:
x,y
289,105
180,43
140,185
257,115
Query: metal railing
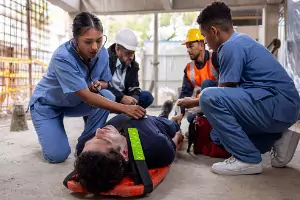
x,y
24,42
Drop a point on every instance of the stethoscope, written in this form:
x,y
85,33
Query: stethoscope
x,y
72,43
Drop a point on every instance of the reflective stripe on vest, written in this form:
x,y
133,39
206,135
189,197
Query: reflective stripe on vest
x,y
192,76
192,73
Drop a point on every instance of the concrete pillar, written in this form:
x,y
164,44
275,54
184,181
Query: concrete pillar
x,y
143,69
155,59
270,23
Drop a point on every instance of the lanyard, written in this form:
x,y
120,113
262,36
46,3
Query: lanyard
x,y
136,156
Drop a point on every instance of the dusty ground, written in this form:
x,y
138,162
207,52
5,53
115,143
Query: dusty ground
x,y
24,174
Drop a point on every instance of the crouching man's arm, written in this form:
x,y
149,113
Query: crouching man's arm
x,y
189,102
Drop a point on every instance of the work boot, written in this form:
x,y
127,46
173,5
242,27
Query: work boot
x,y
284,148
232,166
186,134
166,109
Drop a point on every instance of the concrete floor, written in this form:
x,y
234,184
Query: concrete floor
x,y
24,174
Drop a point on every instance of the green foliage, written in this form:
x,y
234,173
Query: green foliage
x,y
114,28
139,24
142,26
171,36
189,18
174,18
164,19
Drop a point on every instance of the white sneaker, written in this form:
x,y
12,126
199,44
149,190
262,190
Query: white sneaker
x,y
284,148
232,166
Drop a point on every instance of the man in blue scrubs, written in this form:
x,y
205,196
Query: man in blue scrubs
x,y
255,102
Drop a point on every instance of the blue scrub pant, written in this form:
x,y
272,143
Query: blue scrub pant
x,y
205,84
243,126
145,99
51,132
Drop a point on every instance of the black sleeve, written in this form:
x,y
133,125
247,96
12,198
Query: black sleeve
x,y
134,89
186,90
119,95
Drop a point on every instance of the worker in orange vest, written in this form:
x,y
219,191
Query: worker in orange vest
x,y
201,72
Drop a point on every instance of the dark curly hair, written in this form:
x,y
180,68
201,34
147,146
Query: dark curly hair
x,y
217,14
99,171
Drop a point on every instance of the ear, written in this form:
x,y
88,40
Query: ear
x,y
124,153
214,30
202,44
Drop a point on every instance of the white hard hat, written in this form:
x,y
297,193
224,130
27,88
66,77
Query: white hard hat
x,y
127,39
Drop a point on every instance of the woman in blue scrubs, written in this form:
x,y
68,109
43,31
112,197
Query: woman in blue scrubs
x,y
75,85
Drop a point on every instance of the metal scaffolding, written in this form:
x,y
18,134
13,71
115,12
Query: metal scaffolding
x,y
24,40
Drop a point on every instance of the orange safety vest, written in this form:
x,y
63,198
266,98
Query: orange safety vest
x,y
197,76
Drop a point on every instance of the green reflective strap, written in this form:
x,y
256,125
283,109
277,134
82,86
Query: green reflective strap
x,y
136,146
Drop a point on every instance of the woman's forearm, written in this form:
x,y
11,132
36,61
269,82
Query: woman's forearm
x,y
100,102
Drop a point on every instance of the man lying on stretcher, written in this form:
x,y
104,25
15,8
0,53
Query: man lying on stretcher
x,y
103,162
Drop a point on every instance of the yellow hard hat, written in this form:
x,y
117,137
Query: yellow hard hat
x,y
193,35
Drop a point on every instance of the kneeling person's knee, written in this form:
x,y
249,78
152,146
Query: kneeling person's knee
x,y
208,96
108,94
58,155
146,99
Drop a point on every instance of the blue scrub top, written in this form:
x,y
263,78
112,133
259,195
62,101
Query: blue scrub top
x,y
243,60
67,74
